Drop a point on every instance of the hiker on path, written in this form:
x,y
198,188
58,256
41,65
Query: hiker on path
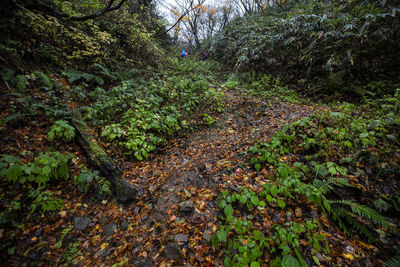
x,y
184,53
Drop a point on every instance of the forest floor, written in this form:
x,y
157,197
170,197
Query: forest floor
x,y
176,211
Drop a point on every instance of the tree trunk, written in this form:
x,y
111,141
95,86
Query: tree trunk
x,y
124,191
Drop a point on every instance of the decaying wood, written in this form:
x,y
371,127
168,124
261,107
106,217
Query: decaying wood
x,y
102,162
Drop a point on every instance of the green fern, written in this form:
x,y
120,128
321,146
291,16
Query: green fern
x,y
393,262
365,212
340,213
45,79
74,75
325,186
105,71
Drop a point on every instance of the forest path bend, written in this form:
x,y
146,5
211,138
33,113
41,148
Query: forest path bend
x,y
177,211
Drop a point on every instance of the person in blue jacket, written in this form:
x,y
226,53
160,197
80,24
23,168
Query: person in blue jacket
x,y
184,53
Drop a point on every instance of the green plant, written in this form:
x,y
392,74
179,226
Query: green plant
x,y
70,253
45,201
102,187
64,233
208,119
45,166
61,130
84,179
393,262
215,97
245,245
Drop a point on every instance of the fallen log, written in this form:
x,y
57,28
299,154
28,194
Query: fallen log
x,y
124,191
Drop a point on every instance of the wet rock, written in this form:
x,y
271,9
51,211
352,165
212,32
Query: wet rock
x,y
172,252
126,192
207,235
186,206
109,229
81,223
123,225
181,238
103,219
143,263
102,253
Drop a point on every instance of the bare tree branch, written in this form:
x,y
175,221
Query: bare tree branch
x,y
182,16
100,12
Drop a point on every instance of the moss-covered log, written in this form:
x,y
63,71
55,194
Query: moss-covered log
x,y
102,162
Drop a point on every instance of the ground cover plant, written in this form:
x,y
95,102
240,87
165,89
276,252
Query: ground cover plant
x,y
116,150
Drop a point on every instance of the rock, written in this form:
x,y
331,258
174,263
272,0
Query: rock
x,y
143,263
181,238
125,191
103,219
207,236
123,225
109,229
81,223
172,252
186,206
102,253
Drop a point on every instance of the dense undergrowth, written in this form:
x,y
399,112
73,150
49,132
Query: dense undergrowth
x,y
325,46
341,164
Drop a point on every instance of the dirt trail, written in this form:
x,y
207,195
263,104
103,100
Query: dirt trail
x,y
177,212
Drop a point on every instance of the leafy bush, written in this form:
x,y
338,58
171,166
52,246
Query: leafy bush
x,y
86,178
345,39
45,201
33,177
46,166
245,245
61,130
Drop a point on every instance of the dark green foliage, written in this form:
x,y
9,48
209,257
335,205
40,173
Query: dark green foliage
x,y
76,76
86,178
46,166
393,262
332,145
245,245
61,130
33,177
336,39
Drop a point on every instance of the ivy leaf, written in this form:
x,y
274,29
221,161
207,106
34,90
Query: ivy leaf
x,y
290,261
228,210
222,235
243,199
274,190
281,203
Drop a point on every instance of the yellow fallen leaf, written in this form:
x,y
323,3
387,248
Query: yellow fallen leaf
x,y
104,246
348,256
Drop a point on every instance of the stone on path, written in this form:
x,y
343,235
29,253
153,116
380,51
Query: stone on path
x,y
181,238
172,252
81,223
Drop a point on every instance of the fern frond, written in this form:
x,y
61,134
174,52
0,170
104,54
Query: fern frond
x,y
352,221
393,262
365,212
325,186
105,71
